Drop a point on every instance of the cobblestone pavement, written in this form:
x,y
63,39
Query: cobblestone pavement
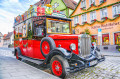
x,y
109,69
10,68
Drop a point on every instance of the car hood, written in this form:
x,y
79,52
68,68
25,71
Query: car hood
x,y
60,36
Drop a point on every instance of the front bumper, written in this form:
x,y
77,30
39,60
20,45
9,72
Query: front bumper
x,y
82,63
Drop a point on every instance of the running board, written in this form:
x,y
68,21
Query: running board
x,y
39,62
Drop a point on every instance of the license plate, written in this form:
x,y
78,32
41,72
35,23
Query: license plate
x,y
92,62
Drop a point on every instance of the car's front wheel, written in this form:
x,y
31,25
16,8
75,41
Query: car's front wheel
x,y
59,66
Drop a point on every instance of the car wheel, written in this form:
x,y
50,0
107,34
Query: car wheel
x,y
17,57
47,44
59,66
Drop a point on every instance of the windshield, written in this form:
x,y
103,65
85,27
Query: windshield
x,y
58,26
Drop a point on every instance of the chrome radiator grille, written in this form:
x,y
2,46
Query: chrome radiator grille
x,y
84,45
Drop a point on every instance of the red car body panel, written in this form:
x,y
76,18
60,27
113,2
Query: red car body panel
x,y
31,48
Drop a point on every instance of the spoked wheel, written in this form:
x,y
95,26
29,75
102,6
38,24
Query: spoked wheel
x,y
17,57
46,47
59,66
47,44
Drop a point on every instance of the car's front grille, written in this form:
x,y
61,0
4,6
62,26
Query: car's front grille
x,y
84,45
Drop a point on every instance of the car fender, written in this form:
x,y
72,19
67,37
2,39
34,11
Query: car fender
x,y
58,51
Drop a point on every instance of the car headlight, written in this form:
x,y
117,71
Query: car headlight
x,y
72,46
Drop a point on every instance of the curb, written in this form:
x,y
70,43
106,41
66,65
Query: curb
x,y
112,55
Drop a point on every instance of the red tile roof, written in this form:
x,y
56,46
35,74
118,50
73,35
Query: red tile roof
x,y
4,36
69,3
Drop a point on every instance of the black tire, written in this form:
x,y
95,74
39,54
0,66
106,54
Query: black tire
x,y
17,56
51,43
64,63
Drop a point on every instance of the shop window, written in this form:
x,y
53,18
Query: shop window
x,y
83,4
91,2
105,39
76,20
92,16
94,38
103,13
84,18
116,10
117,38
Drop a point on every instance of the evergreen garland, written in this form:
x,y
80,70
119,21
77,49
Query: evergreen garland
x,y
94,6
98,21
95,9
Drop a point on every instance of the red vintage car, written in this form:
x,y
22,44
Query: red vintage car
x,y
49,40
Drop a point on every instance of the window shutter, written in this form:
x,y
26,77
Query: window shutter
x,y
90,16
119,9
90,2
74,21
81,19
81,4
106,12
85,17
113,10
101,13
77,19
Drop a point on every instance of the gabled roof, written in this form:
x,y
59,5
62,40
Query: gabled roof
x,y
69,3
76,7
8,35
4,36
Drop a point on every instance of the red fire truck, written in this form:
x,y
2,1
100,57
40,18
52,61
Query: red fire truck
x,y
48,39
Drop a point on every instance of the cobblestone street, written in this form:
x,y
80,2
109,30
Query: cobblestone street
x,y
109,69
10,68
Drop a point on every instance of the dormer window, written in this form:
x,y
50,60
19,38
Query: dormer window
x,y
103,13
91,2
116,10
83,4
93,16
84,18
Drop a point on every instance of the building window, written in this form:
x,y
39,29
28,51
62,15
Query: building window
x,y
94,38
91,2
83,4
84,18
76,20
103,13
116,10
117,38
92,16
101,1
105,39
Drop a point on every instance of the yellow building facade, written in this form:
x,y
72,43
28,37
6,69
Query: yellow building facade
x,y
91,15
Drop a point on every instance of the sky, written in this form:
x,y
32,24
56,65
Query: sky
x,y
10,9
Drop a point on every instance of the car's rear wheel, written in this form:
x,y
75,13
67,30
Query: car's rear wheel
x,y
17,57
59,66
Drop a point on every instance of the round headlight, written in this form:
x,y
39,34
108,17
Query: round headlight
x,y
72,46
